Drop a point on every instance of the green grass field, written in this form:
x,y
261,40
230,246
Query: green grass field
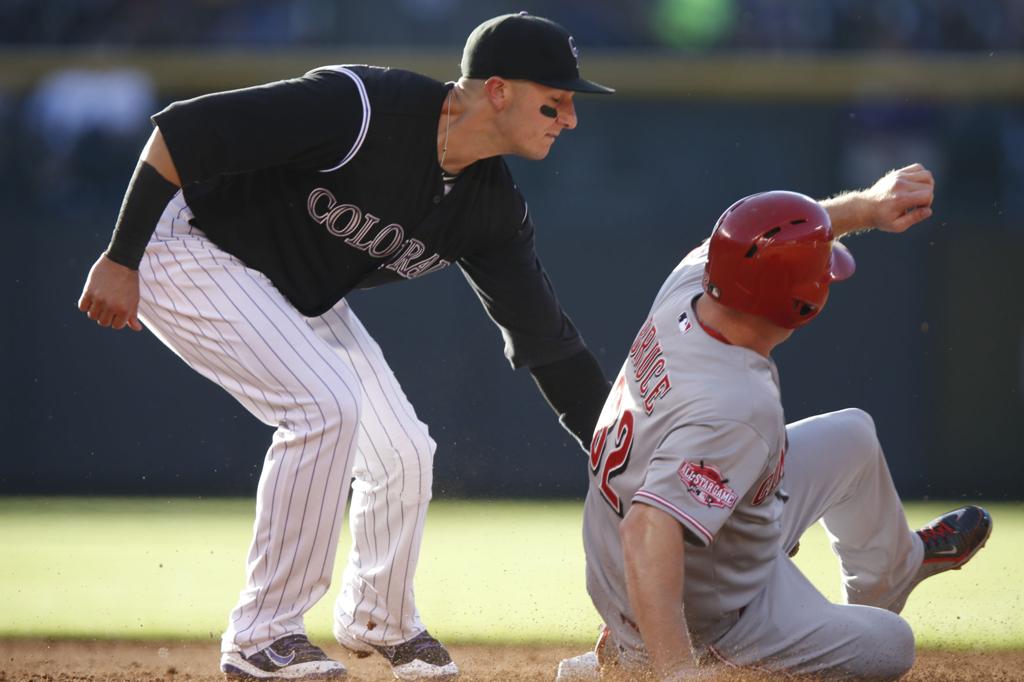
x,y
490,572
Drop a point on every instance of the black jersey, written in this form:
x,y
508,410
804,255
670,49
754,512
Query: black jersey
x,y
330,182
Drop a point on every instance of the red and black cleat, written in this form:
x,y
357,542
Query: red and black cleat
x,y
949,542
952,539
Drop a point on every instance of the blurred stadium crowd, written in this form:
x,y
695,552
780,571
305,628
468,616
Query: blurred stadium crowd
x,y
682,24
74,121
73,133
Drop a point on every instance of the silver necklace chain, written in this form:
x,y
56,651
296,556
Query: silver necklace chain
x,y
447,127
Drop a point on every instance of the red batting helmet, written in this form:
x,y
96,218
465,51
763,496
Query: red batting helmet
x,y
773,255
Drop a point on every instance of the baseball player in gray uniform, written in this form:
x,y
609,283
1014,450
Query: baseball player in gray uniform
x,y
253,213
700,492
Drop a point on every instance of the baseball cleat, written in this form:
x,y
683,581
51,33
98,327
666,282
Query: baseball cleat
x,y
289,658
949,542
606,655
579,668
420,658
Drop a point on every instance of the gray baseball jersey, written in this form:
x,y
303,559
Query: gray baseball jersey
x,y
694,427
711,459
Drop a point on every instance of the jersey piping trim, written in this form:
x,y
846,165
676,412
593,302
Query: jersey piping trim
x,y
366,116
704,532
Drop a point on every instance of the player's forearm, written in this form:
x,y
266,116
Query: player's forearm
x,y
576,389
152,185
653,550
848,212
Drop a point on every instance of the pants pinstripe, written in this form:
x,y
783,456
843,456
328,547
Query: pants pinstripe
x,y
339,412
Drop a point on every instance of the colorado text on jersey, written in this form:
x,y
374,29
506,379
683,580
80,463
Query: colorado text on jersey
x,y
349,222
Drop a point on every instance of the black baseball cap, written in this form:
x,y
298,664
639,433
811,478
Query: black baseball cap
x,y
525,47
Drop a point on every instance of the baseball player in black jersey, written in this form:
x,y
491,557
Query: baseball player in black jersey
x,y
251,215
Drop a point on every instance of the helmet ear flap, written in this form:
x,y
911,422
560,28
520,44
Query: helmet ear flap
x,y
808,300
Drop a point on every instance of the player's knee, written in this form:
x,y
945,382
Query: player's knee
x,y
859,423
339,405
416,468
906,653
896,651
888,646
426,447
860,433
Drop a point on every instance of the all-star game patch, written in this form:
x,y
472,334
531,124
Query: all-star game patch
x,y
707,486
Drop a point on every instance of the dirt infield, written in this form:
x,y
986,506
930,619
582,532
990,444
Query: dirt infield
x,y
101,661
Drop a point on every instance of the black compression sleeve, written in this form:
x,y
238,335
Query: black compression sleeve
x,y
144,201
576,388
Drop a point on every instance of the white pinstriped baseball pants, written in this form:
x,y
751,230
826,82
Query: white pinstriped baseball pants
x,y
339,412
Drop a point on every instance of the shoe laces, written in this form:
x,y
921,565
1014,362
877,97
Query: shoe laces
x,y
933,535
422,647
300,644
423,642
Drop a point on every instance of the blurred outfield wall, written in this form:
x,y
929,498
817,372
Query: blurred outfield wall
x,y
928,337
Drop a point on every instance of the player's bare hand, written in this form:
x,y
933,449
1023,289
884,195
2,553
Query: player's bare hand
x,y
111,295
900,199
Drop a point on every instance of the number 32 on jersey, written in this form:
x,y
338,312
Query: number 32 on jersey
x,y
605,467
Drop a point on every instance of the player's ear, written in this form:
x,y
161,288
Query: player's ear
x,y
499,92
